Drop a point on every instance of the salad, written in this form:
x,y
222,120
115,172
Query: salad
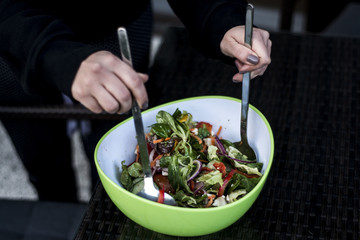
x,y
192,163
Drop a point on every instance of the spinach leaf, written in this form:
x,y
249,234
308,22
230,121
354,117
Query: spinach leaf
x,y
195,143
177,114
138,185
165,161
125,177
177,177
203,132
162,130
181,130
135,170
239,181
189,201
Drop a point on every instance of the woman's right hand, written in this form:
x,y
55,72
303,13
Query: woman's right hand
x,y
105,83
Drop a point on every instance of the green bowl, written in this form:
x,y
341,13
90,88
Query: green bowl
x,y
118,144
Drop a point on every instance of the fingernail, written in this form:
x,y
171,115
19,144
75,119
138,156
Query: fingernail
x,y
252,59
145,105
236,81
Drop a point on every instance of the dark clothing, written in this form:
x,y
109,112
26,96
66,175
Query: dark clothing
x,y
42,144
45,45
42,44
45,41
208,20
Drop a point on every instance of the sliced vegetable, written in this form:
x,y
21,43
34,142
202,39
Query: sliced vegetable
x,y
211,178
220,145
218,131
210,200
221,167
226,181
163,183
161,196
198,166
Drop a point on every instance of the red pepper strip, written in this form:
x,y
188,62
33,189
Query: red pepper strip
x,y
229,176
226,181
221,167
206,169
161,196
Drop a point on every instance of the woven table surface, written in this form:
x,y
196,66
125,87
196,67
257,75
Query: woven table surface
x,y
310,95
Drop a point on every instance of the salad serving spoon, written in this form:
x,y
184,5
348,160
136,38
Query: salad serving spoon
x,y
243,145
149,191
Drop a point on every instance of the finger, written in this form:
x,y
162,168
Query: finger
x,y
91,104
107,101
119,91
260,45
243,68
269,45
134,83
243,54
258,72
238,77
144,77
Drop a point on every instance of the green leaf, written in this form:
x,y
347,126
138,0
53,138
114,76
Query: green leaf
x,y
195,144
181,197
176,177
135,170
212,153
162,130
247,169
177,114
189,201
211,178
203,132
234,195
138,185
125,178
239,181
176,127
235,153
258,165
165,161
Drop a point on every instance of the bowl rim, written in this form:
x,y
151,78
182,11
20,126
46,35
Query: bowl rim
x,y
229,205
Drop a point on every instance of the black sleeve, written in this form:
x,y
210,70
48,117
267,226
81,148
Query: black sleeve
x,y
39,48
208,20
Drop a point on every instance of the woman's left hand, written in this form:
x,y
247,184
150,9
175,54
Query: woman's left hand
x,y
254,60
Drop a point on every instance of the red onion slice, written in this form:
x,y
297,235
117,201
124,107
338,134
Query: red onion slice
x,y
197,171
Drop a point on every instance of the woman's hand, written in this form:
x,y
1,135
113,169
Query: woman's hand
x,y
105,83
254,60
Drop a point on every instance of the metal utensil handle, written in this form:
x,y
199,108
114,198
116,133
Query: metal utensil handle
x,y
136,111
249,19
246,77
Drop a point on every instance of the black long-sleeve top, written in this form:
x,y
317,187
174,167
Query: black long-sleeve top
x,y
44,41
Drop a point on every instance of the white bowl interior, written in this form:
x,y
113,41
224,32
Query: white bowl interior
x,y
120,142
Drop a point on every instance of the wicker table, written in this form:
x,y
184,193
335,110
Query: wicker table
x,y
310,95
